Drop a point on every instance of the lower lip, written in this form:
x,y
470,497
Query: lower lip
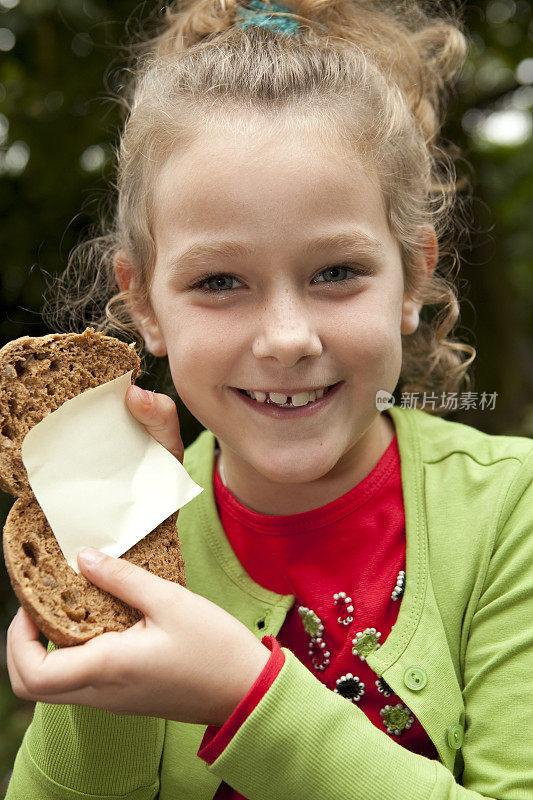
x,y
271,410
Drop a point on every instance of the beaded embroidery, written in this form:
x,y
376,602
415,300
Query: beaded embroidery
x,y
400,585
383,687
345,603
365,642
318,652
312,623
396,718
320,657
350,687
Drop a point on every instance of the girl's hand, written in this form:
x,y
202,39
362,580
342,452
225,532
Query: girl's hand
x,y
186,659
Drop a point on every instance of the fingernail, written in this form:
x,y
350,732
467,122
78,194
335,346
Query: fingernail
x,y
90,556
143,395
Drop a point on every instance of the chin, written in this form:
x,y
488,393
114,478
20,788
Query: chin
x,y
295,470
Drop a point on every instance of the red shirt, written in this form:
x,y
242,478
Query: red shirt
x,y
355,545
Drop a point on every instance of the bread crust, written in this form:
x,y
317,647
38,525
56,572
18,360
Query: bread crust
x,y
66,607
37,375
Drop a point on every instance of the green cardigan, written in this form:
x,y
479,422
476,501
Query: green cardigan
x,y
465,624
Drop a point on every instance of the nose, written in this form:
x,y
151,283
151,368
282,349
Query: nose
x,y
286,332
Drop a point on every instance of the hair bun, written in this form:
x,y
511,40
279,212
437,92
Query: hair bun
x,y
422,49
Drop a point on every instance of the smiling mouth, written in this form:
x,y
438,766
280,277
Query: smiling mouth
x,y
287,401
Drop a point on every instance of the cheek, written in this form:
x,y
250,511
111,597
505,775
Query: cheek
x,y
201,351
372,334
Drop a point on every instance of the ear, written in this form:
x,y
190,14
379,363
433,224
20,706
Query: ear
x,y
424,266
126,276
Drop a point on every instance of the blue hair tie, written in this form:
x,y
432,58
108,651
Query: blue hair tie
x,y
260,14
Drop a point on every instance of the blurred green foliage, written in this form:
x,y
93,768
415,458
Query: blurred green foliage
x,y
58,126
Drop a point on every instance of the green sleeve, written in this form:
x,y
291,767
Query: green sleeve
x,y
303,740
73,751
498,658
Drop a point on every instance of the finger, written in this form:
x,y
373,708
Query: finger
x,y
48,677
26,658
11,659
136,586
160,418
21,628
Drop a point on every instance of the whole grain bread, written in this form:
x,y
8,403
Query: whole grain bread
x,y
37,375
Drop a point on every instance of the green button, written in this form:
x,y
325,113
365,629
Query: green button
x,y
415,678
456,736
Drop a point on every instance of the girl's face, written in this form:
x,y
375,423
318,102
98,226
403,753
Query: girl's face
x,y
264,307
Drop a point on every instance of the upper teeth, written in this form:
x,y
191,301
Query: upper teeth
x,y
300,399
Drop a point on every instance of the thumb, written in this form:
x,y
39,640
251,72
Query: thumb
x,y
134,585
159,416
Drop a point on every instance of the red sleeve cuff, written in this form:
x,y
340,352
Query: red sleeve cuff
x,y
217,738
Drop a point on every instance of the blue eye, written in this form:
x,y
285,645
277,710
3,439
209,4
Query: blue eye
x,y
218,283
335,274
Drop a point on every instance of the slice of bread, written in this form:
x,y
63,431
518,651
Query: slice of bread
x,y
37,375
66,607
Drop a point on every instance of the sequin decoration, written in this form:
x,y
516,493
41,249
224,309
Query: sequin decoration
x,y
396,718
365,642
320,656
384,687
400,585
345,604
350,687
312,623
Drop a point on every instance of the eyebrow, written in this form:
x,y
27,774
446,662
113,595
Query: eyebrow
x,y
228,248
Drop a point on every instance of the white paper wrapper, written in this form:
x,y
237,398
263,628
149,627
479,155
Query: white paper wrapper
x,y
100,478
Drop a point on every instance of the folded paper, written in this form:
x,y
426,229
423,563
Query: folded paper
x,y
101,480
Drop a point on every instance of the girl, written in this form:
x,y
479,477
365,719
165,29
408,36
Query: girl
x,y
357,617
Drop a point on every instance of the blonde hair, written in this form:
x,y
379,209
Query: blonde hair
x,y
369,77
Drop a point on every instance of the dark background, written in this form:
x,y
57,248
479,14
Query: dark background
x,y
57,129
